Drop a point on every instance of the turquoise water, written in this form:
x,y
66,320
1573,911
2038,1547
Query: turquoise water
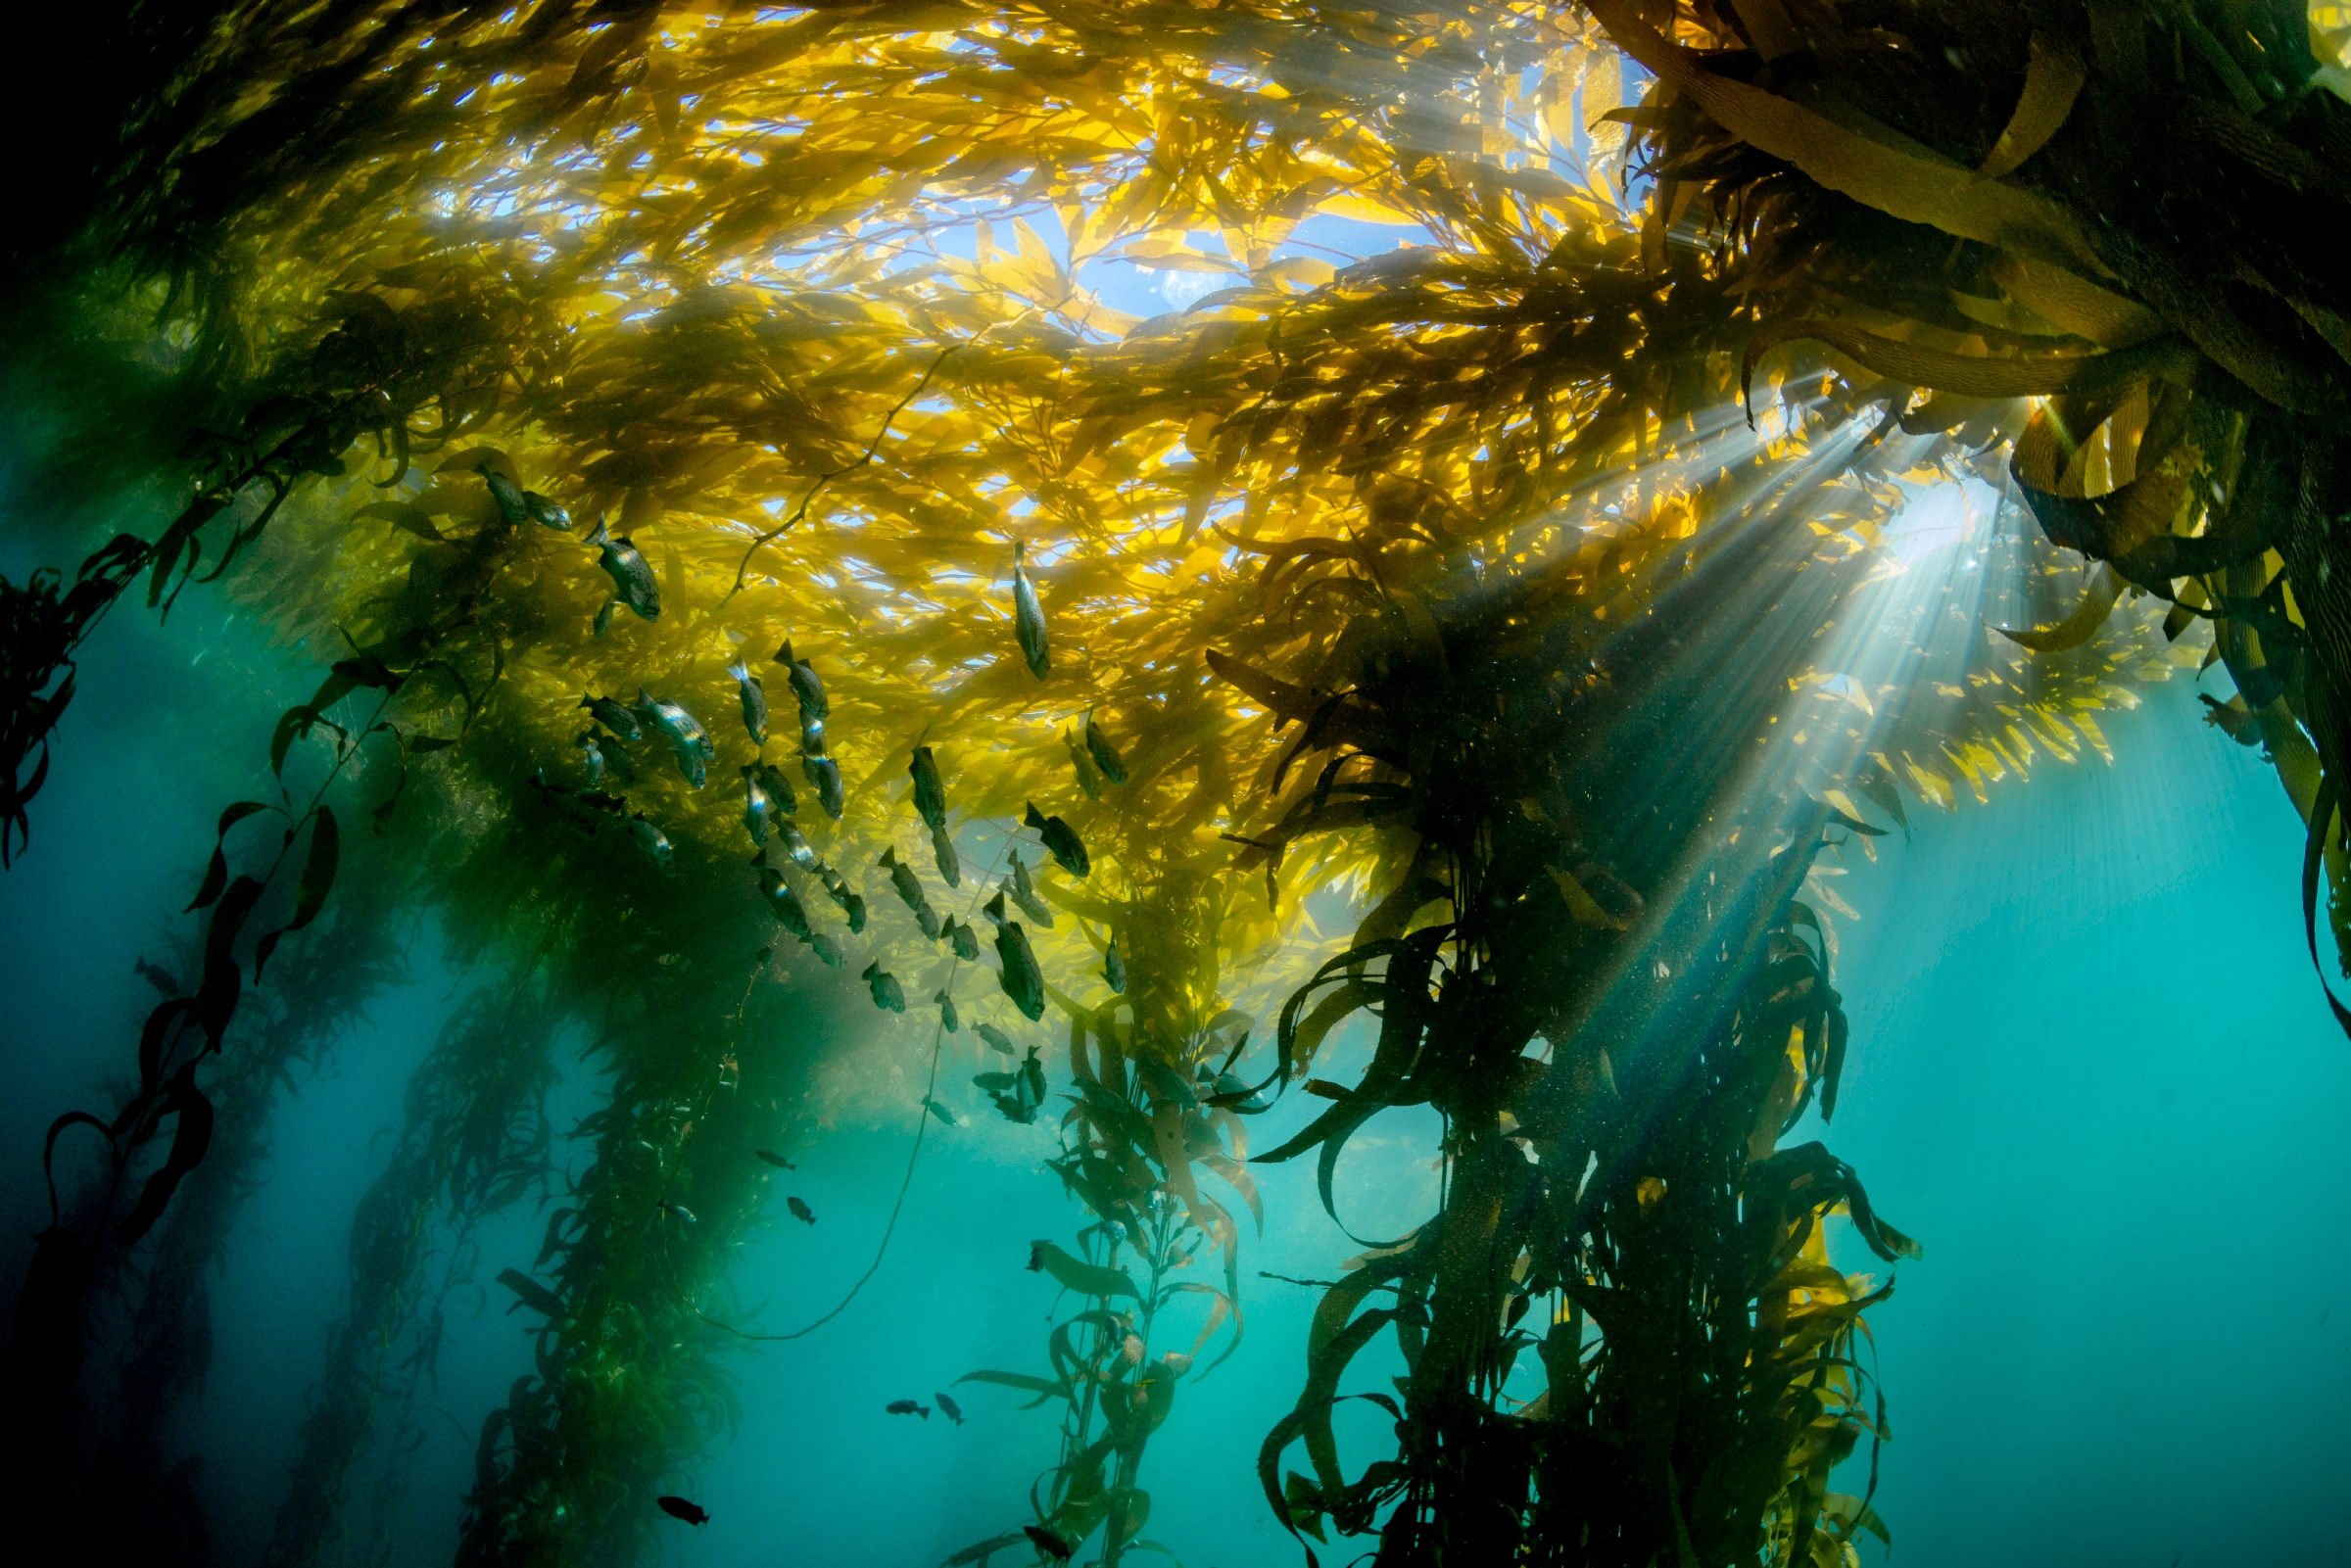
x,y
2091,1072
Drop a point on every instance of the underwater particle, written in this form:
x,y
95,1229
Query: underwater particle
x,y
795,845
1036,1256
1028,615
1061,841
1051,1545
1106,756
1023,893
509,497
632,577
965,940
784,903
649,838
679,1508
806,684
680,1213
888,992
545,511
779,795
755,806
1021,978
801,1211
603,617
825,773
997,1039
775,1159
615,716
947,1018
754,702
1114,968
948,1409
906,1408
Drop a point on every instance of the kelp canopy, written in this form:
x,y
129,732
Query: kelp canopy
x,y
606,391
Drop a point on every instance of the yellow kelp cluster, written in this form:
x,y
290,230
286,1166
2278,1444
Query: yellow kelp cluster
x,y
735,522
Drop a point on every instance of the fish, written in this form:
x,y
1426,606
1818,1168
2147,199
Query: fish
x,y
533,1295
1051,1545
906,1408
593,756
806,684
632,578
965,940
508,495
679,1508
993,909
888,992
1036,1256
929,791
775,1159
813,735
1028,616
1233,1094
997,1082
1021,978
938,1111
156,976
545,511
685,731
825,773
851,905
997,1039
947,1018
948,1409
754,702
801,1211
779,794
1061,840
784,903
1090,777
1033,1071
615,716
943,851
795,845
910,889
680,1213
1106,756
649,838
755,806
603,617
1023,893
828,950
1114,968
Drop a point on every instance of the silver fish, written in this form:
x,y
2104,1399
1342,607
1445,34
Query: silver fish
x,y
632,578
796,845
825,773
755,806
614,715
652,839
806,683
684,732
754,702
594,757
779,789
784,903
545,512
1114,968
1028,615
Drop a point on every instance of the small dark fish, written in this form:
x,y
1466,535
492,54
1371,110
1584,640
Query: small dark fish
x,y
828,950
615,716
801,1211
993,909
632,578
948,1409
679,1508
888,992
950,865
997,1039
806,684
906,1408
1051,1545
603,617
779,789
929,791
796,844
1090,777
509,497
825,773
593,755
159,978
910,889
784,903
754,702
1106,756
965,940
775,1159
545,511
938,1111
755,806
947,1017
1036,1256
851,905
680,1213
1021,978
813,735
1033,1072
997,1082
1061,839
652,839
1114,968
1232,1094
1023,893
1027,619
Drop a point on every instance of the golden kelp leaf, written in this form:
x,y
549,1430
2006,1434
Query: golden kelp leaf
x,y
1582,907
2080,626
2053,77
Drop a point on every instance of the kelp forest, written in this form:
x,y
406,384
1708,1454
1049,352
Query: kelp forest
x,y
1186,584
